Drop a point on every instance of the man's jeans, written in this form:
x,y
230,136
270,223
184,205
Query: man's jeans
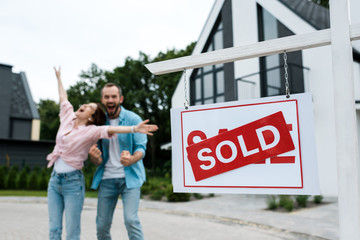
x,y
66,191
108,195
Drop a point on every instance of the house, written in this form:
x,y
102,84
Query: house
x,y
19,122
234,23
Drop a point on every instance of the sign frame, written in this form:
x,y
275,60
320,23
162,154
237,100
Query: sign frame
x,y
309,174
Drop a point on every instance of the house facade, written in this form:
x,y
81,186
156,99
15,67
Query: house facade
x,y
234,23
19,122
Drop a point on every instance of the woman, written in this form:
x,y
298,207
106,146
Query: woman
x,y
78,131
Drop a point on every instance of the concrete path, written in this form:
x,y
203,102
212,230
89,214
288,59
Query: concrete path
x,y
224,217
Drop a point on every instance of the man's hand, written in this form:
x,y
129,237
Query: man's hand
x,y
126,158
95,154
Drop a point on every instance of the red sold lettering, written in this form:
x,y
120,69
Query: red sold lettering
x,y
250,143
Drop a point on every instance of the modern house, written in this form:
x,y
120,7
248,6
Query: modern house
x,y
19,122
234,23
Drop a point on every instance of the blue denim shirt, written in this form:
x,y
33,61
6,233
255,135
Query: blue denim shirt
x,y
135,173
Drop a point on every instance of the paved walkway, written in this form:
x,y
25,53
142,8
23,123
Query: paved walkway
x,y
224,217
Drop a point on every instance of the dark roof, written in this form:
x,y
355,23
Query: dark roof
x,y
22,104
5,65
316,15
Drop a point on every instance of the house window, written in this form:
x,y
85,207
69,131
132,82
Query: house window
x,y
272,67
207,83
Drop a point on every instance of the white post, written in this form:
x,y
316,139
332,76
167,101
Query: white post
x,y
345,121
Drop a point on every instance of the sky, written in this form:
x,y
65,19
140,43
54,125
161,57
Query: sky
x,y
37,35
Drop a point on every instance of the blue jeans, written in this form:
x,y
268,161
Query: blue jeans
x,y
66,192
108,195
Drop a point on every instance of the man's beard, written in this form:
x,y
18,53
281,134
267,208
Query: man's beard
x,y
113,113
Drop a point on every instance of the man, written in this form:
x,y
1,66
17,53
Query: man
x,y
121,171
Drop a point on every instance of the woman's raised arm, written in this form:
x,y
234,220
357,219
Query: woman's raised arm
x,y
142,127
62,92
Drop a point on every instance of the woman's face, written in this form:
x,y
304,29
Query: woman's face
x,y
86,111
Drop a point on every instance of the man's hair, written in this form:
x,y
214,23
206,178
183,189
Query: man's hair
x,y
111,85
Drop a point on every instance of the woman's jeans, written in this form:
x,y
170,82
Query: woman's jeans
x,y
66,192
108,195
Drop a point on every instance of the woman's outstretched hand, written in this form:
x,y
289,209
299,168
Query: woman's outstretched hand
x,y
62,92
58,72
143,127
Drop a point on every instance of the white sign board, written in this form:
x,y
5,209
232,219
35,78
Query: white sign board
x,y
257,146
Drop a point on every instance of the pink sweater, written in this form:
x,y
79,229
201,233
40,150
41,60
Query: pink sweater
x,y
73,144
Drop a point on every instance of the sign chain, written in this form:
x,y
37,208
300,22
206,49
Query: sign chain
x,y
186,103
287,89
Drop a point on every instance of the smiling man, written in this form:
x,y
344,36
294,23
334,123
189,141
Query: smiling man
x,y
121,172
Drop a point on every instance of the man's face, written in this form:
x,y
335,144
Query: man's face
x,y
111,100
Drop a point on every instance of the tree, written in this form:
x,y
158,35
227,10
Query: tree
x,y
149,96
87,89
49,116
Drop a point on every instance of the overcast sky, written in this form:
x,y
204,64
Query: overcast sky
x,y
39,34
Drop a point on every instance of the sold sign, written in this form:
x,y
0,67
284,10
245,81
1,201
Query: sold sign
x,y
247,144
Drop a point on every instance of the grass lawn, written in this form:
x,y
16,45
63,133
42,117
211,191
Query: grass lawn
x,y
34,193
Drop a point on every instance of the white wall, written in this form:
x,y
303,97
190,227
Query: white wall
x,y
245,32
321,88
178,98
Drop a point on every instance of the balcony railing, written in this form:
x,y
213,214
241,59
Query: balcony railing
x,y
247,85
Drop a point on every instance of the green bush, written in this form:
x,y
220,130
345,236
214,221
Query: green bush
x,y
301,200
145,189
4,168
284,200
176,197
12,177
37,169
2,177
44,179
157,195
198,195
33,183
318,199
289,206
271,202
88,180
27,169
23,179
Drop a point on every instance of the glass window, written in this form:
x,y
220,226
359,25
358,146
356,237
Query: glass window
x,y
198,103
218,40
208,86
209,81
210,48
198,88
220,82
220,99
272,67
270,26
208,101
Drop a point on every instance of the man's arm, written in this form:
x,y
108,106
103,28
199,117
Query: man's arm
x,y
127,159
